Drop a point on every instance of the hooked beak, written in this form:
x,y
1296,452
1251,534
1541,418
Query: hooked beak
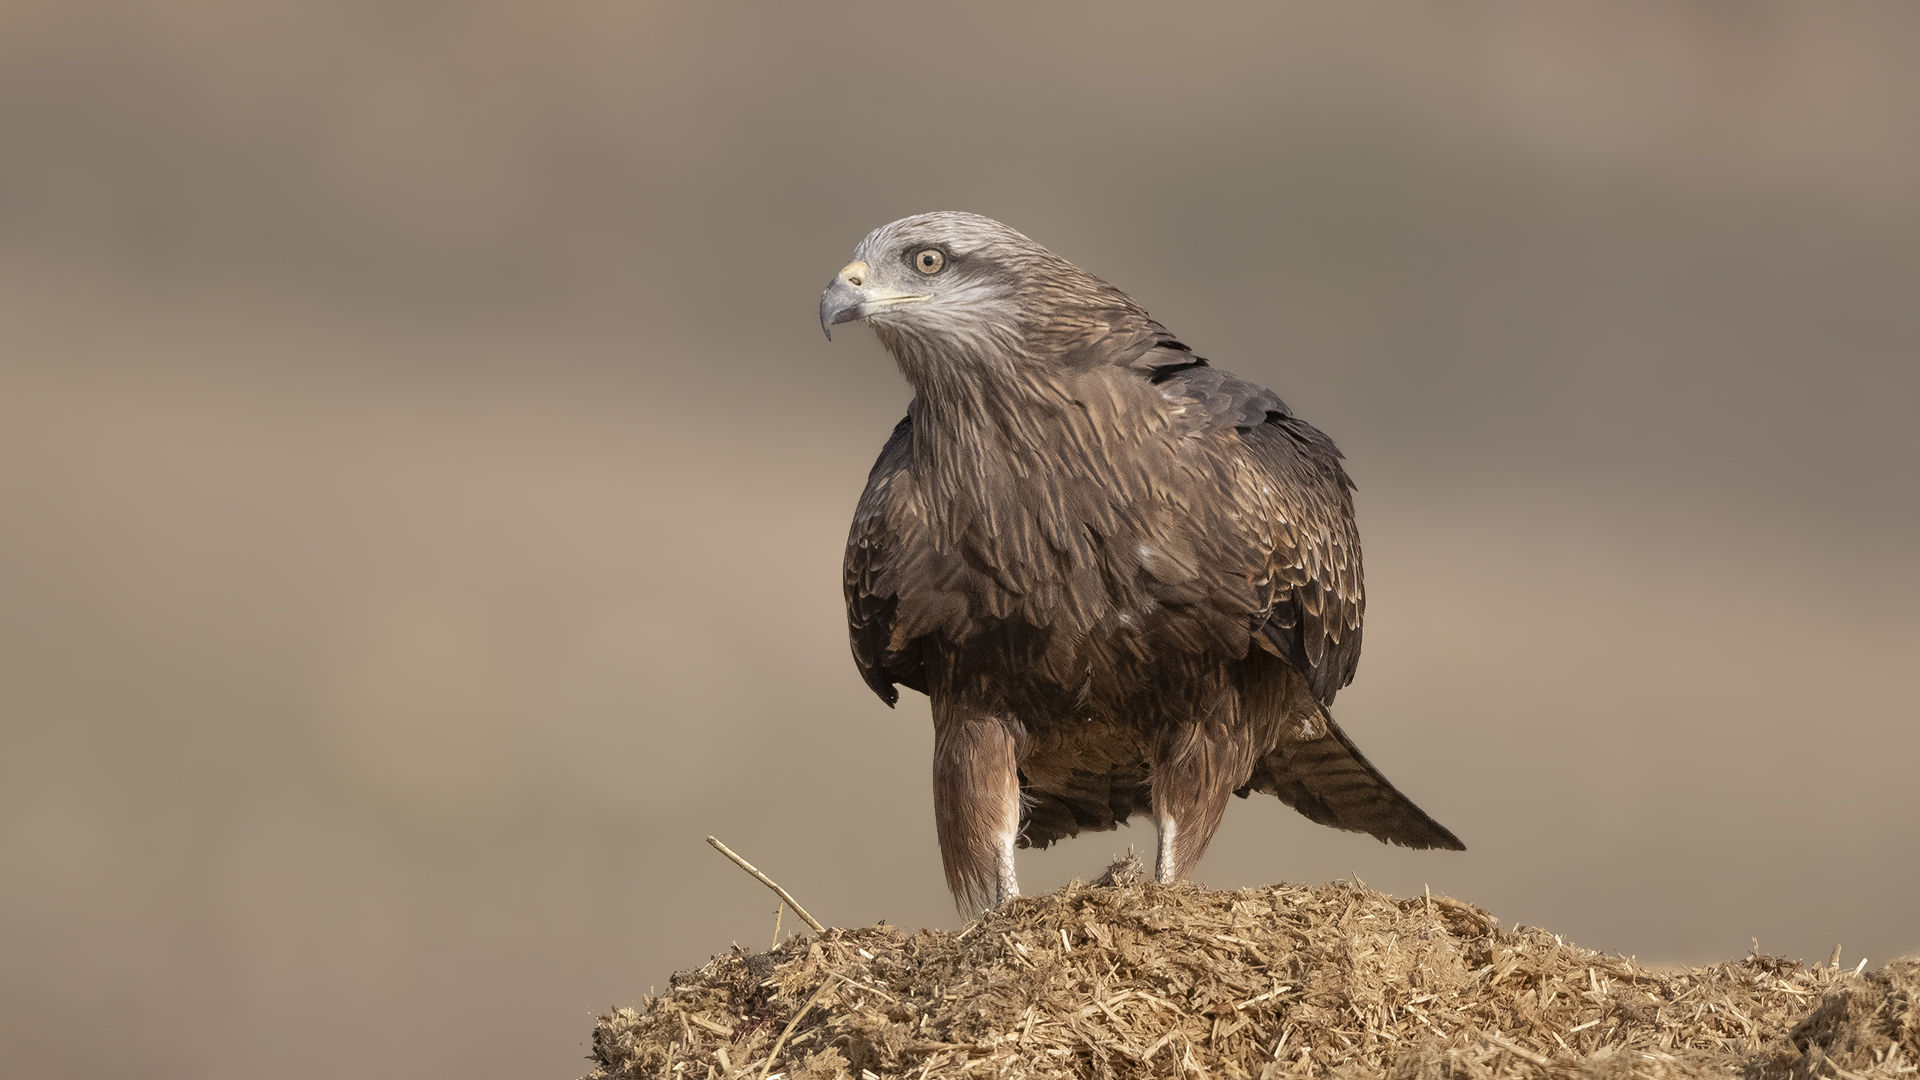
x,y
853,295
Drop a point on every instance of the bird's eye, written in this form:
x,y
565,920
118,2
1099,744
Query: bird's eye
x,y
929,261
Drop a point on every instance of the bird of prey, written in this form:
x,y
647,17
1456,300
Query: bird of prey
x,y
1128,580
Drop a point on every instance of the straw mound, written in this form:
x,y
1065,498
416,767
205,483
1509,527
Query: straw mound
x,y
1151,980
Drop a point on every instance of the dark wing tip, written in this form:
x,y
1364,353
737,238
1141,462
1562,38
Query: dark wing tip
x,y
877,681
1426,835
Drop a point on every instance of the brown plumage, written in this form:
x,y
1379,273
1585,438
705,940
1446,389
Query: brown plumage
x,y
1129,581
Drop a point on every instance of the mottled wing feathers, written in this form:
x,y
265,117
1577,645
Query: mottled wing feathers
x,y
1293,510
1320,597
1228,400
876,545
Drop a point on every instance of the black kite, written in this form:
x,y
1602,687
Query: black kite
x,y
1129,581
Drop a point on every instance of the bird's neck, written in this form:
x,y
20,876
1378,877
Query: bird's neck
x,y
1011,443
968,432
989,410
967,390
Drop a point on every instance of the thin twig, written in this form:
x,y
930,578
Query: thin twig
x,y
774,1054
784,895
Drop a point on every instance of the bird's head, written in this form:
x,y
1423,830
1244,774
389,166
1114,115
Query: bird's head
x,y
957,283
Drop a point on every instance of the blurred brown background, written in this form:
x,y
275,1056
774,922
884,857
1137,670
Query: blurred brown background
x,y
424,479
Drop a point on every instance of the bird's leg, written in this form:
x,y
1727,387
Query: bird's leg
x,y
1166,836
1190,785
976,804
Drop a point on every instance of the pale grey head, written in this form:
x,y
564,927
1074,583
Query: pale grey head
x,y
959,282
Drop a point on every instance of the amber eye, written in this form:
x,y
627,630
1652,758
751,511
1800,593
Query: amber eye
x,y
929,261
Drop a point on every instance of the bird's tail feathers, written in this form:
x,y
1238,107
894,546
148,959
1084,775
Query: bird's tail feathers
x,y
1317,770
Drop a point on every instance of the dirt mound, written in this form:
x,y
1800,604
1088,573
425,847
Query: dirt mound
x,y
1149,980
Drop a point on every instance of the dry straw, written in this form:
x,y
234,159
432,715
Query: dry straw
x,y
1135,980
